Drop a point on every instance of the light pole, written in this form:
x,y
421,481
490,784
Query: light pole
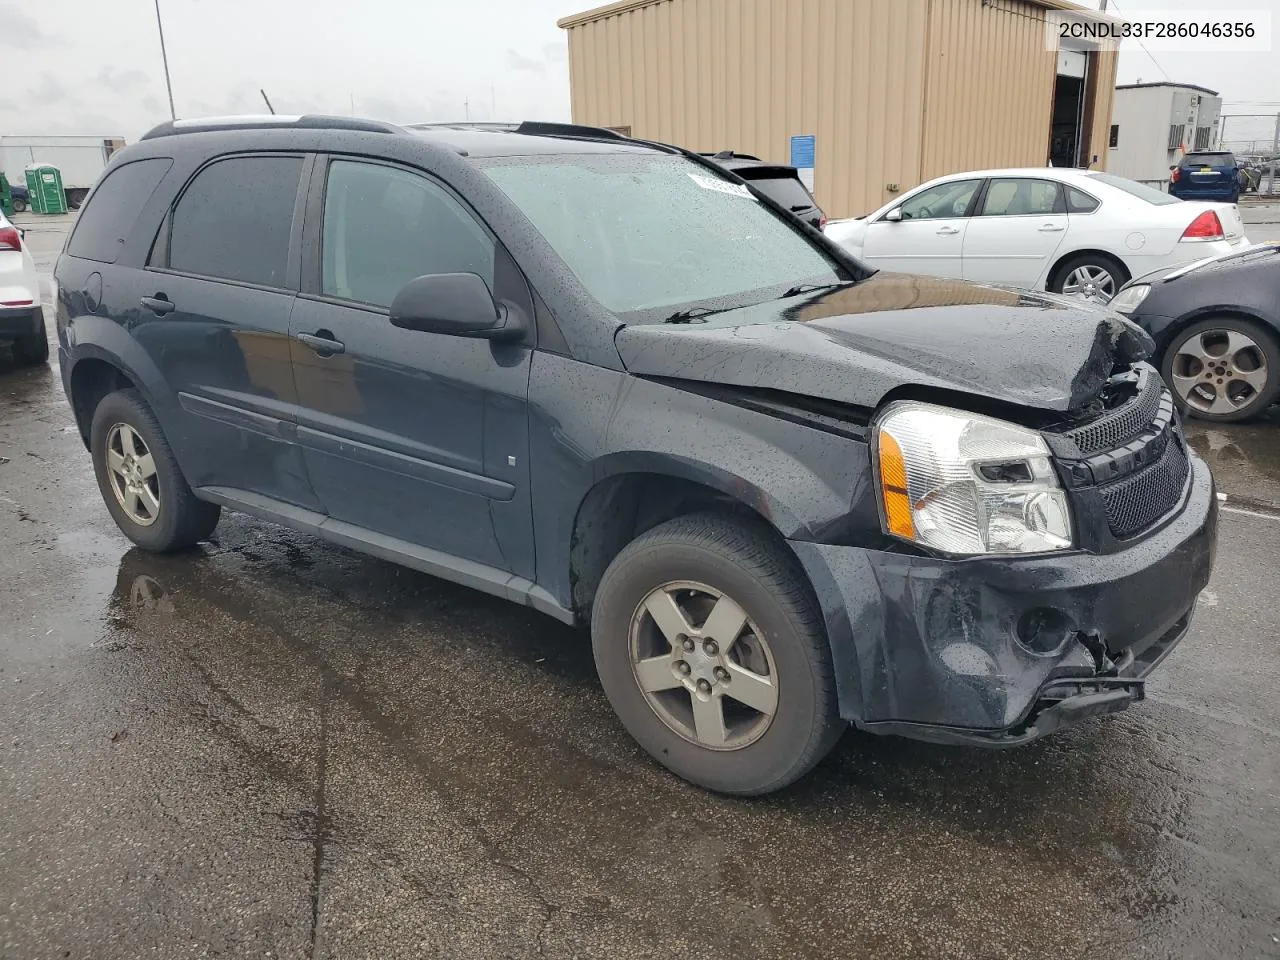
x,y
173,114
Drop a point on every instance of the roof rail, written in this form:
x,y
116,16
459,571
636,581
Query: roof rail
x,y
542,128
269,121
730,155
462,125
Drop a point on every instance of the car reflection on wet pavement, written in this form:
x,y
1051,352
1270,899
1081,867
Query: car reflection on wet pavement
x,y
273,746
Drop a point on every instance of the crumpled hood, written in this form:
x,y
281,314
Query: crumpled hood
x,y
854,345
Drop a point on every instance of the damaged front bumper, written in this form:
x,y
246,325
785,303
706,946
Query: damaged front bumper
x,y
998,651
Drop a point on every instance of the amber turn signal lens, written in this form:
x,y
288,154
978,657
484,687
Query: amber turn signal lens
x,y
893,487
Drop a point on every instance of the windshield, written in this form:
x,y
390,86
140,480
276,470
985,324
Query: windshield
x,y
1135,189
647,232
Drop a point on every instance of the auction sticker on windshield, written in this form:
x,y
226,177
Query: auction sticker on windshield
x,y
721,186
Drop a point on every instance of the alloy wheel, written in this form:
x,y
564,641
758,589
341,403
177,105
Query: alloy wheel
x,y
1219,371
132,472
704,668
1090,282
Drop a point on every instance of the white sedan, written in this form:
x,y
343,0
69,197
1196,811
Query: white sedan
x,y
1069,231
21,319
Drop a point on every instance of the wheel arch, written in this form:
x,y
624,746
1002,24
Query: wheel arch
x,y
633,493
103,358
1065,258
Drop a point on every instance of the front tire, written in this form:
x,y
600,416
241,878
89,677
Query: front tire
x,y
1089,276
140,481
32,349
712,651
19,206
1223,369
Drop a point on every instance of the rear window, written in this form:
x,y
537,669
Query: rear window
x,y
1150,194
1209,160
780,188
234,220
112,209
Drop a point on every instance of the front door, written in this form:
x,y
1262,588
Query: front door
x,y
415,436
1020,224
929,237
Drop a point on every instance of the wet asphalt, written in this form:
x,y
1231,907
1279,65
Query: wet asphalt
x,y
273,747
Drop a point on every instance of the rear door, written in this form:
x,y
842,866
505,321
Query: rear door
x,y
929,238
213,315
1020,224
416,436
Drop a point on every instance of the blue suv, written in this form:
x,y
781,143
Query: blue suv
x,y
1206,175
603,378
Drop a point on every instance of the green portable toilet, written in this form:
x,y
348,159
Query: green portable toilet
x,y
6,198
44,184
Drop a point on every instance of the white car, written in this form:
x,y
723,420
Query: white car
x,y
21,319
1069,231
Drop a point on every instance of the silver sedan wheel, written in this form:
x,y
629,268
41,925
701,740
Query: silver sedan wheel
x,y
1091,282
1219,371
704,668
132,471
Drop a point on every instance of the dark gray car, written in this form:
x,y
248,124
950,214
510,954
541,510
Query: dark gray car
x,y
602,378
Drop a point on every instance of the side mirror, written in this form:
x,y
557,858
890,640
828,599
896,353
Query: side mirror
x,y
894,215
456,305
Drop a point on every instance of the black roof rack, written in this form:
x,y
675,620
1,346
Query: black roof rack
x,y
730,155
269,121
541,128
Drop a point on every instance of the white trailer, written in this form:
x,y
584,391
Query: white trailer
x,y
1153,125
80,159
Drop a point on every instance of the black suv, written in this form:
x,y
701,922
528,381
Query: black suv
x,y
602,378
777,181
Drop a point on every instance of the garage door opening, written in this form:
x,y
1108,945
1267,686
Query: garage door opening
x,y
1067,134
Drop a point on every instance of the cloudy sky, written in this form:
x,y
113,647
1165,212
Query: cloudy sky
x,y
93,66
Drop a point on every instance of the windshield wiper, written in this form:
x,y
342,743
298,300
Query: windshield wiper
x,y
690,315
801,288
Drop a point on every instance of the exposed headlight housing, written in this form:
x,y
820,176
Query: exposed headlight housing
x,y
1130,298
968,485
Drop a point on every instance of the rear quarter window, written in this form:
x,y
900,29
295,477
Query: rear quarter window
x,y
112,209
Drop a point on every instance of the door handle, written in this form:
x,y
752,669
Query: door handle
x,y
1051,228
947,231
323,343
159,304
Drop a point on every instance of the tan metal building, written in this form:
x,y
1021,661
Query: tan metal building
x,y
894,92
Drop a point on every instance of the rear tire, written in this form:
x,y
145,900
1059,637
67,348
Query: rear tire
x,y
140,480
1223,369
1086,272
19,206
776,656
32,349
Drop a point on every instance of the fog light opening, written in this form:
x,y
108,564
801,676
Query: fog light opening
x,y
1044,631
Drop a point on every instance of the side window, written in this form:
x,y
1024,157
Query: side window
x,y
1080,202
112,209
1022,198
943,202
234,220
383,227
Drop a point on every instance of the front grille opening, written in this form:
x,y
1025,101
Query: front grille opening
x,y
1135,502
1121,424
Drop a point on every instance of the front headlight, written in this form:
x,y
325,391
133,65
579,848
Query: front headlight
x,y
1128,299
966,484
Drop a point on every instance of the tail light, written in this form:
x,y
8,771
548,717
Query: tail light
x,y
1175,176
1207,226
9,239
822,223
